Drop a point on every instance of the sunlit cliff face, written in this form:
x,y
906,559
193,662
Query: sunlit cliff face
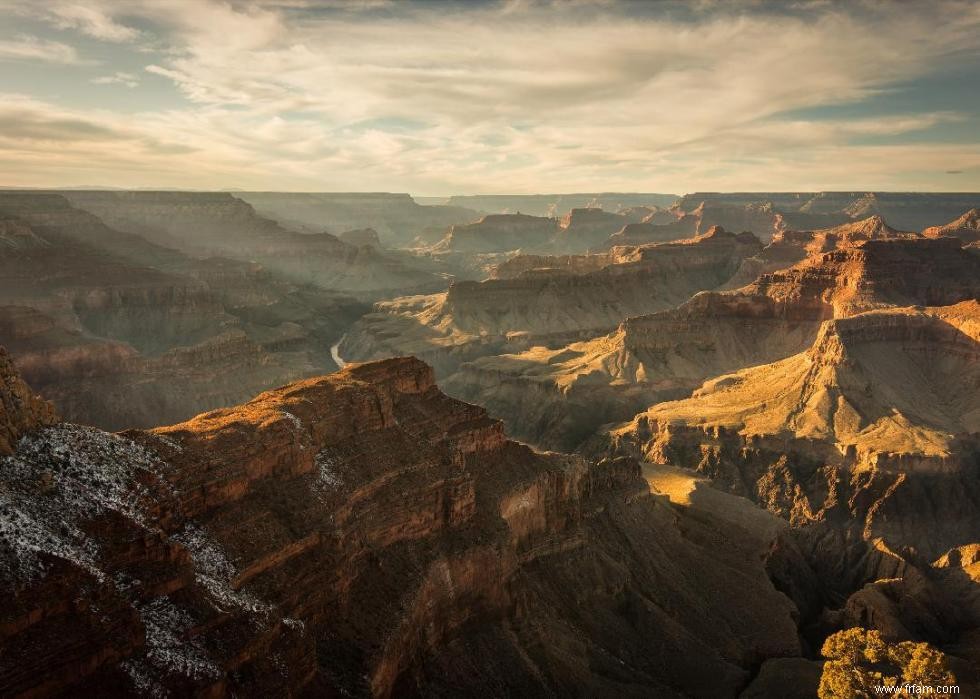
x,y
494,96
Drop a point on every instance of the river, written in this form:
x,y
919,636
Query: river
x,y
335,353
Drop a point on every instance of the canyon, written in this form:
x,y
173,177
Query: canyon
x,y
558,396
261,443
504,349
867,443
548,306
204,224
120,331
266,547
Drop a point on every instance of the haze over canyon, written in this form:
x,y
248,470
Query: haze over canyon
x,y
409,349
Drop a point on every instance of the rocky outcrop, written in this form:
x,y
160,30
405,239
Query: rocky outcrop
x,y
878,273
519,265
759,218
583,229
21,410
362,534
112,385
880,408
789,247
647,232
545,307
966,228
580,230
867,444
501,232
557,397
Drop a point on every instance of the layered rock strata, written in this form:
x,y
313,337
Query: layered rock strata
x,y
362,534
545,306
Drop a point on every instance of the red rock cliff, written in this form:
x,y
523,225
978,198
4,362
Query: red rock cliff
x,y
360,534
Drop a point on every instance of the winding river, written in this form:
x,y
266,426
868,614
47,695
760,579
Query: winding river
x,y
335,353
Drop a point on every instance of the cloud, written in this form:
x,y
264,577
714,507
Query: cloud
x,y
118,78
31,48
90,20
530,96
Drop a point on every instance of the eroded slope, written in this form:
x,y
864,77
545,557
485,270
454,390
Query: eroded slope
x,y
362,534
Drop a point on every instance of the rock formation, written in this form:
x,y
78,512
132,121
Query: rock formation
x,y
878,273
21,410
646,232
473,251
789,247
966,228
362,534
771,443
523,264
760,218
550,307
500,233
868,444
583,229
884,393
557,397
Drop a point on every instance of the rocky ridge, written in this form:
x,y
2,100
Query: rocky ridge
x,y
868,444
557,396
362,534
966,228
205,224
548,306
397,218
910,211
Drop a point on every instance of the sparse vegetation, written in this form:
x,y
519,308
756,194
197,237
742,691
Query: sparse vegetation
x,y
858,660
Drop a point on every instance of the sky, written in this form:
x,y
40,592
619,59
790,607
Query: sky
x,y
438,98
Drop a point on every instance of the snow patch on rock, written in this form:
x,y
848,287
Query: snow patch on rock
x,y
60,477
169,646
326,476
215,572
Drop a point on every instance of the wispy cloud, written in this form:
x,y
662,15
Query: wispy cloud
x,y
90,19
31,48
118,78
